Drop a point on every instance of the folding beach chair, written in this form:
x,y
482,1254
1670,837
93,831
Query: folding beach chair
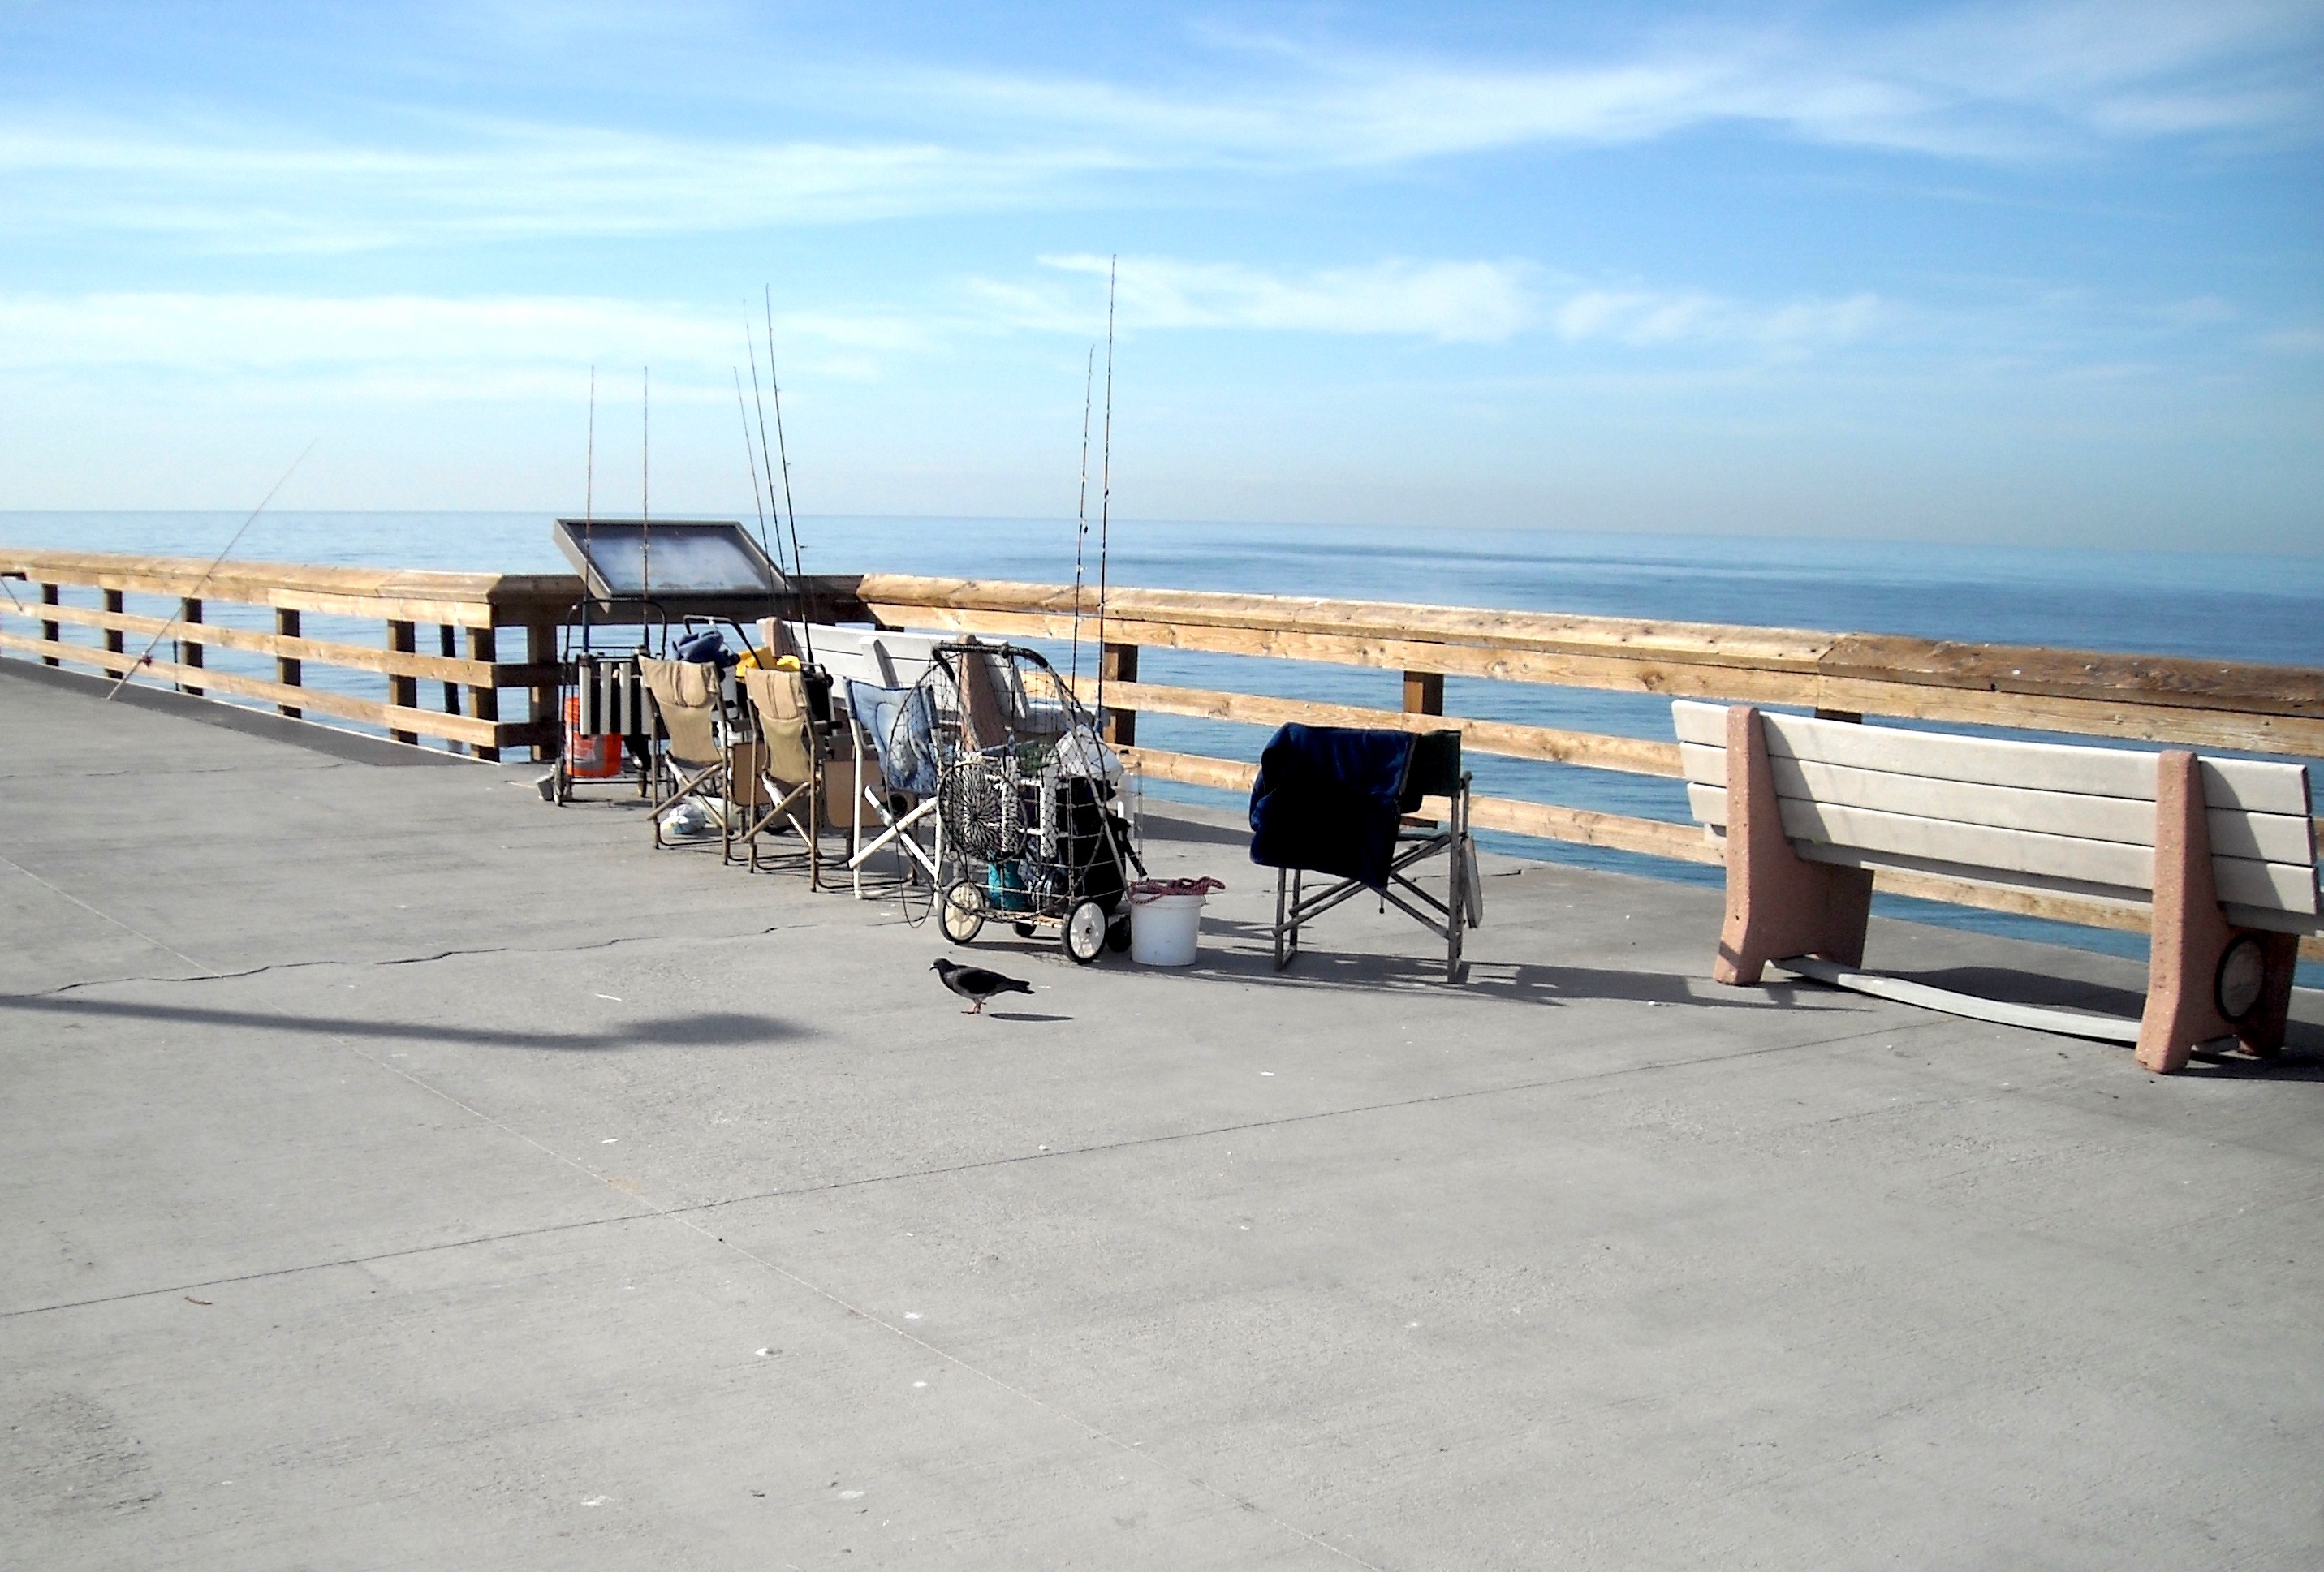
x,y
783,782
690,708
897,727
1337,801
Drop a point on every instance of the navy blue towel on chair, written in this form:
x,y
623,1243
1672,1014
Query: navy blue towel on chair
x,y
1325,800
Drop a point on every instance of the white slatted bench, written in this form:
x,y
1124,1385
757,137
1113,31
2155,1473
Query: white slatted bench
x,y
2220,849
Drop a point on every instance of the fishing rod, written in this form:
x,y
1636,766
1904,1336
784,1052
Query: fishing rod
x,y
1081,512
194,594
774,608
645,497
589,505
766,458
742,413
1105,486
775,389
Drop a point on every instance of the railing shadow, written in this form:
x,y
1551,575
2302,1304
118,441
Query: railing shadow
x,y
709,1029
1248,955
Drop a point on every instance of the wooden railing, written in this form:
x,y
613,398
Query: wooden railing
x,y
2203,704
2242,707
469,614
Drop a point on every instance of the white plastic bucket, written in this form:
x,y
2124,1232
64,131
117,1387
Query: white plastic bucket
x,y
1166,930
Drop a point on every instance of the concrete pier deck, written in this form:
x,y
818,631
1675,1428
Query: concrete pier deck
x,y
398,1171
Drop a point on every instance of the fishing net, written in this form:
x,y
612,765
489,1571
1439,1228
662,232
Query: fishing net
x,y
982,808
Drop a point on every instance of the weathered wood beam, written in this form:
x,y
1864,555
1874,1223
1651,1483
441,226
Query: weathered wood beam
x,y
2257,731
288,645
1502,738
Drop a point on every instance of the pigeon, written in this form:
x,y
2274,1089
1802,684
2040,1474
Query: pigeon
x,y
977,984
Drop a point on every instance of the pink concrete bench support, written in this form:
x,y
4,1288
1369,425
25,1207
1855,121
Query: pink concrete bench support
x,y
1778,904
2192,936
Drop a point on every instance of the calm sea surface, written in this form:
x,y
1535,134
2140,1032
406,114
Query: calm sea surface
x,y
2239,608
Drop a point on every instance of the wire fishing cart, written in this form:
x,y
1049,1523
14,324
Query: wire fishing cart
x,y
1029,826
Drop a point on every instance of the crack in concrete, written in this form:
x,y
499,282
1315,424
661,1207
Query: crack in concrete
x,y
695,1208
424,959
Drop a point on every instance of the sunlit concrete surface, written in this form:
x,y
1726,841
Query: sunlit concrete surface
x,y
400,1172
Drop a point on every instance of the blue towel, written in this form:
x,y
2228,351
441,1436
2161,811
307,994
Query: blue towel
x,y
901,722
1325,800
707,647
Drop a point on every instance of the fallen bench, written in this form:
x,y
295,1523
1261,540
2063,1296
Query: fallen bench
x,y
2220,849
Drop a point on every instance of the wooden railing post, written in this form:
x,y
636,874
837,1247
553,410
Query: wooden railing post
x,y
288,669
190,650
541,649
113,635
447,645
402,691
1120,664
51,632
1423,694
484,698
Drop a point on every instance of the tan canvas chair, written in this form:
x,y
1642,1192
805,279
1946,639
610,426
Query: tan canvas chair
x,y
778,780
691,709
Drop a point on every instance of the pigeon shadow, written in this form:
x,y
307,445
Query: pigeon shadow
x,y
1023,1016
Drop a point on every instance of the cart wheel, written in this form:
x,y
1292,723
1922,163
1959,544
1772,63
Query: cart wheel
x,y
1025,930
1117,935
1085,932
960,910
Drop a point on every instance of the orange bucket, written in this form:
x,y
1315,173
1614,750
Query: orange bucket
x,y
588,758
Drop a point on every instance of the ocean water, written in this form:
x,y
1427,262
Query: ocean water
x,y
2245,608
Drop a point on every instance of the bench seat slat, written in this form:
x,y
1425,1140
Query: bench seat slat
x,y
1978,845
2129,900
2119,820
1834,834
2101,772
2273,885
1699,723
2252,785
1704,763
2261,837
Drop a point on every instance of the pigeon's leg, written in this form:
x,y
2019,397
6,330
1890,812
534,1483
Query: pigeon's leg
x,y
975,1009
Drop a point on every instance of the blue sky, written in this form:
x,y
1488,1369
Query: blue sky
x,y
2046,274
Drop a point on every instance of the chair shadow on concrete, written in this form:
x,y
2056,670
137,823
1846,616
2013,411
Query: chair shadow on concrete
x,y
1195,833
702,1030
1238,951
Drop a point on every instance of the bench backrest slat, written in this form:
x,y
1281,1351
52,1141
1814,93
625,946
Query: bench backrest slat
x,y
1973,805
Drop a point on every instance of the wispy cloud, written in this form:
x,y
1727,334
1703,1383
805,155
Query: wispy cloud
x,y
253,191
1471,302
1982,81
898,137
413,346
1451,302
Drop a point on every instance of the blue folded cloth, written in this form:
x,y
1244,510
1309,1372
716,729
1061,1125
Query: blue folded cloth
x,y
901,723
1325,800
707,647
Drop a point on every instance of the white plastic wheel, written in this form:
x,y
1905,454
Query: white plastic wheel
x,y
961,912
1085,932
